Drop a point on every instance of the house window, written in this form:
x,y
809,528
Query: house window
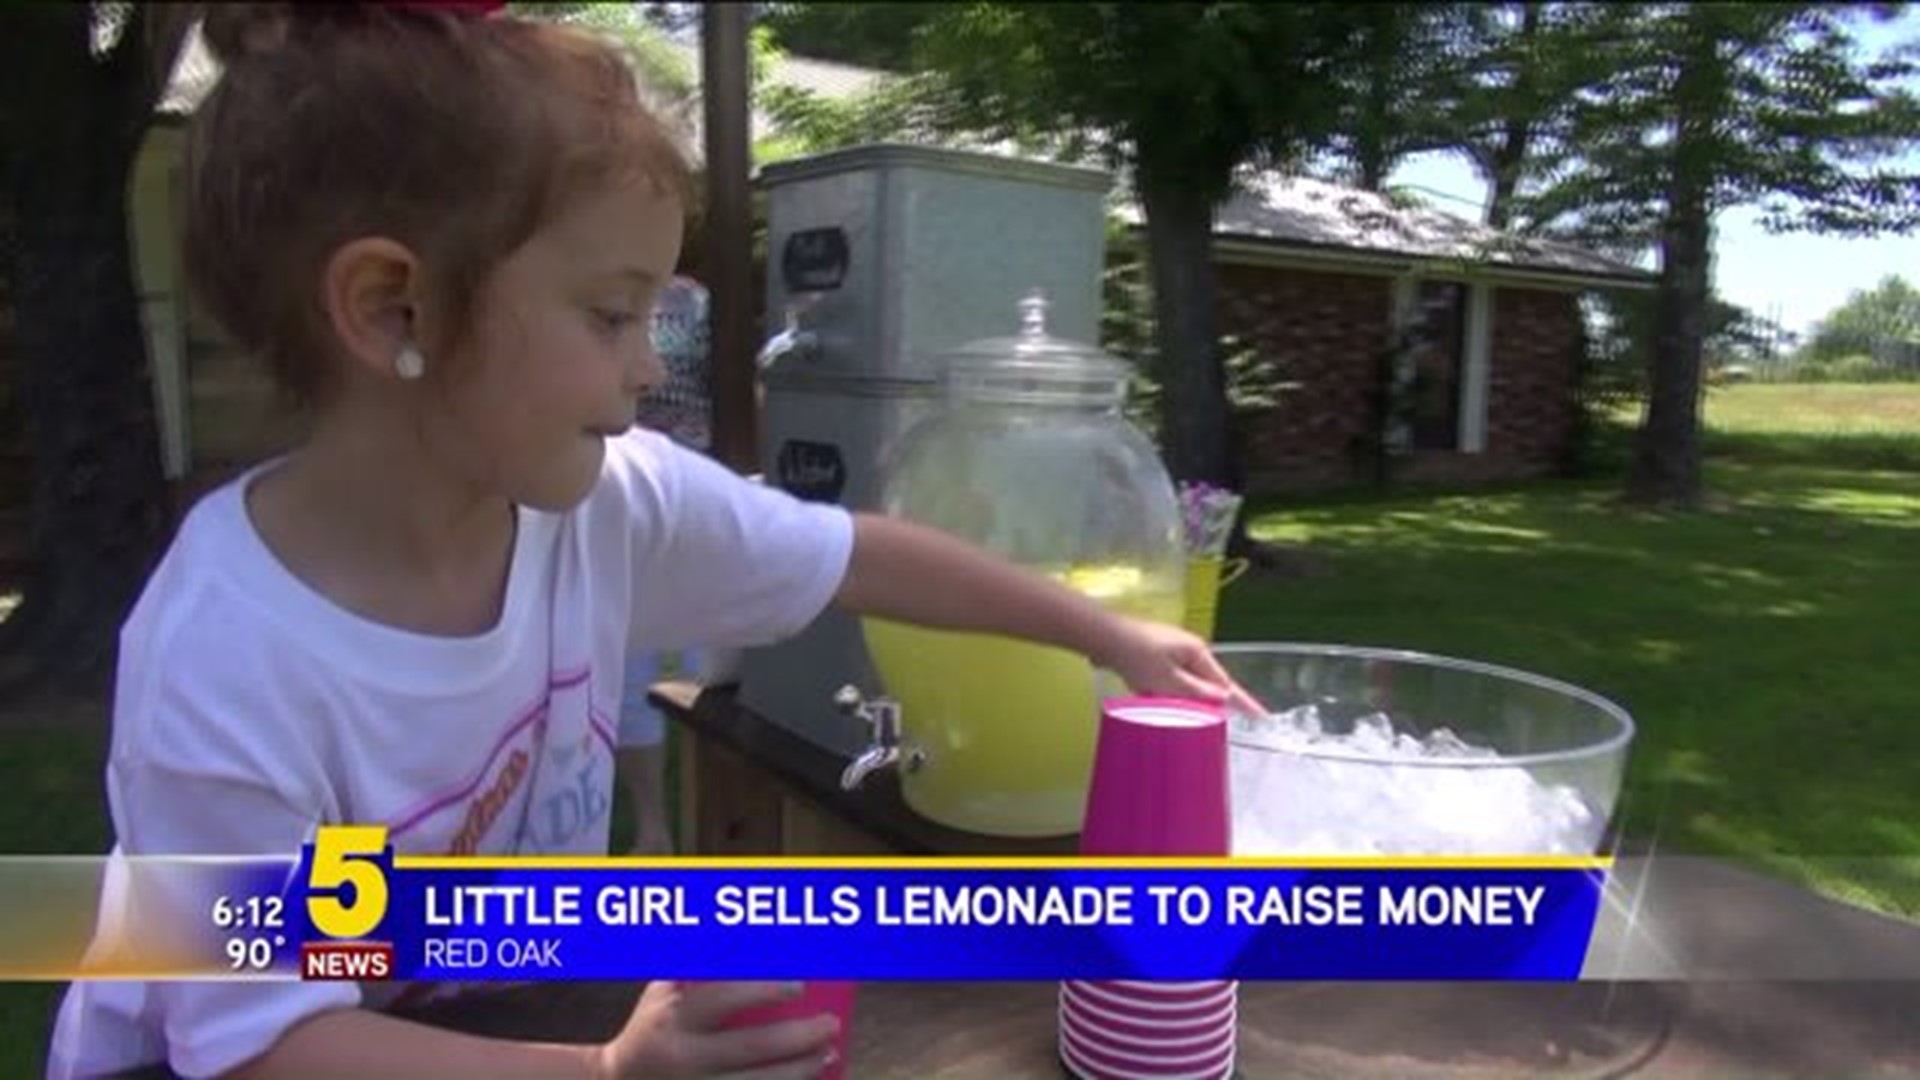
x,y
1439,363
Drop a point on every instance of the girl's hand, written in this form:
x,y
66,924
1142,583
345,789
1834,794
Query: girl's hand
x,y
1155,658
675,1031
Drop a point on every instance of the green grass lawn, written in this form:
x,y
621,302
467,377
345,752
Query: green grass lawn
x,y
1762,646
1816,408
1837,425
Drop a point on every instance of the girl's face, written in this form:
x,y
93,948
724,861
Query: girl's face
x,y
561,349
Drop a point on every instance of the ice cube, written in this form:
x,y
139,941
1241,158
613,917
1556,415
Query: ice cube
x,y
1300,790
1443,743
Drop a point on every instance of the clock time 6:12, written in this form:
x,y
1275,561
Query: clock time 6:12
x,y
250,913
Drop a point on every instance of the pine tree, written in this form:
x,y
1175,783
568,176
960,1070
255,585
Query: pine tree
x,y
1707,107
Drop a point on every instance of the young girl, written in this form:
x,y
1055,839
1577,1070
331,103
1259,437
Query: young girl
x,y
446,233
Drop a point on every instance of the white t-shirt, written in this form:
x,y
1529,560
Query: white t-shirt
x,y
250,709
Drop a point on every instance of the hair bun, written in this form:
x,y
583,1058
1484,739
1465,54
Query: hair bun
x,y
240,30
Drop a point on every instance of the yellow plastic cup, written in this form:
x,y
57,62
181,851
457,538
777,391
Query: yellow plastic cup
x,y
1205,578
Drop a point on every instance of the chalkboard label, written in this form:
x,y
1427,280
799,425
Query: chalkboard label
x,y
815,260
810,470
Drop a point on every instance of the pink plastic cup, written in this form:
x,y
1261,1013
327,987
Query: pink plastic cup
x,y
1158,788
1194,1017
1160,1061
1098,1045
1104,1063
1159,780
1084,1025
814,998
1151,994
1195,1009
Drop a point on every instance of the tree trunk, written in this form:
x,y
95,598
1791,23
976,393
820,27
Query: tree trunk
x,y
1666,459
1382,132
99,512
1507,163
1197,431
1193,380
1374,164
1509,158
1372,151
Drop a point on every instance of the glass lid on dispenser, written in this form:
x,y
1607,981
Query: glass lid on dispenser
x,y
1034,367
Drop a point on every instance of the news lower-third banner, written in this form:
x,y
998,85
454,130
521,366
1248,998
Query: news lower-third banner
x,y
348,908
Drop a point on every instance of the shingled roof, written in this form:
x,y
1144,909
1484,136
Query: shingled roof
x,y
1271,211
1301,212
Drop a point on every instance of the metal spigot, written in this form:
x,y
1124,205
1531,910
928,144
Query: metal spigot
x,y
882,716
790,339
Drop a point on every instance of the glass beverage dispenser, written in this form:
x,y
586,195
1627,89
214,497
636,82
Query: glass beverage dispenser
x,y
880,260
1032,458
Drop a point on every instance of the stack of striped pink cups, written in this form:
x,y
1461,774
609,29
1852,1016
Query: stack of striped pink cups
x,y
1159,787
1124,1030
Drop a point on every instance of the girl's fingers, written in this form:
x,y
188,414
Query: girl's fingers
x,y
782,1044
1202,669
706,1005
803,1068
1200,687
1240,701
1224,686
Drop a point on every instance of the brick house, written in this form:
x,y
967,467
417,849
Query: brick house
x,y
1313,280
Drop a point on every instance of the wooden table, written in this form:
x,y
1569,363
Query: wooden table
x,y
1408,1031
749,786
907,1031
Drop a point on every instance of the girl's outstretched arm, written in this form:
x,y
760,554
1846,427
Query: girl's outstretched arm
x,y
911,573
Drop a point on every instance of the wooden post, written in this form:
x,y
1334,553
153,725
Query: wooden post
x,y
725,97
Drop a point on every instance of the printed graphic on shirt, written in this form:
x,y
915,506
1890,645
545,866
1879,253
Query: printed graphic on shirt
x,y
577,804
544,787
547,788
482,812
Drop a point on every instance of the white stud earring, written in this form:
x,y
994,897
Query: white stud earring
x,y
409,364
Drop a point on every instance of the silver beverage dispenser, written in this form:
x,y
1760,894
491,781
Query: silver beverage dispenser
x,y
880,258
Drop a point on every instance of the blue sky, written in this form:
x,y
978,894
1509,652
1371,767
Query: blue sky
x,y
1794,278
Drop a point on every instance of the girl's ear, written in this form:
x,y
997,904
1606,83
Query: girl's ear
x,y
371,291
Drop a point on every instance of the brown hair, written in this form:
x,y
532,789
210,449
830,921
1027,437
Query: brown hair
x,y
454,135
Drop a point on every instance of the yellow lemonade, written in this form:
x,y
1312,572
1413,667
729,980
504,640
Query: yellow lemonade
x,y
1007,728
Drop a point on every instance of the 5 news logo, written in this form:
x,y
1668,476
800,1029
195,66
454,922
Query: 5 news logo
x,y
347,894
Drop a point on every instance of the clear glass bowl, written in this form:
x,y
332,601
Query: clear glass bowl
x,y
1384,752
